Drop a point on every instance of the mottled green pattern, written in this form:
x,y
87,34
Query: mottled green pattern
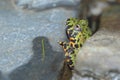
x,y
77,32
85,29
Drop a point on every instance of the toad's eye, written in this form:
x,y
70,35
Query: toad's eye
x,y
77,27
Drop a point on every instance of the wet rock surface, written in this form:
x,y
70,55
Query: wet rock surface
x,y
38,68
20,39
44,4
99,58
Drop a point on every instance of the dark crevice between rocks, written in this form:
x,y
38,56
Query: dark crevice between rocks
x,y
94,23
93,20
65,73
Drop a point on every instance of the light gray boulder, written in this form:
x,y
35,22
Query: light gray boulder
x,y
99,58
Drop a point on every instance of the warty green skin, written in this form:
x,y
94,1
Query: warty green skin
x,y
77,32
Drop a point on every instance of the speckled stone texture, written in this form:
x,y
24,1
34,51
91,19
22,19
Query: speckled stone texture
x,y
99,58
45,4
21,34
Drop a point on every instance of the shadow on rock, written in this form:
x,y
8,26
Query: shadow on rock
x,y
36,69
1,77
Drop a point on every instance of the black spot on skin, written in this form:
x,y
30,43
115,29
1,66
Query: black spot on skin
x,y
71,44
72,52
71,67
61,43
80,45
86,29
78,40
85,37
68,23
68,26
65,46
76,45
68,19
83,24
70,62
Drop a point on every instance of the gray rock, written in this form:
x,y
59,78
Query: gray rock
x,y
99,55
45,4
3,76
0,75
37,69
113,75
20,40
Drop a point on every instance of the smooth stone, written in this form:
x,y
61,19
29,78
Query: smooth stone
x,y
99,55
